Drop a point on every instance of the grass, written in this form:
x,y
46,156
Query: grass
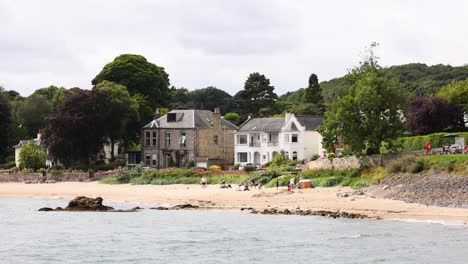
x,y
449,163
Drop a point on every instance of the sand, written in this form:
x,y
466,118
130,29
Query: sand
x,y
213,196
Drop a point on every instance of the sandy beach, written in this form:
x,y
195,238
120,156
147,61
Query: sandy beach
x,y
214,197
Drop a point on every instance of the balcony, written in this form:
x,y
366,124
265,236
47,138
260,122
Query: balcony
x,y
272,144
254,144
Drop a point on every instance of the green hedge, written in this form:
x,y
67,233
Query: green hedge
x,y
437,140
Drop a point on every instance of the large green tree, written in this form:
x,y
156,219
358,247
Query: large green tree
x,y
211,97
457,94
256,96
369,114
55,95
120,110
180,98
139,76
32,112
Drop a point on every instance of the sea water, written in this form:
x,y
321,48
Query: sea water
x,y
216,236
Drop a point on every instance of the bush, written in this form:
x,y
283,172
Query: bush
x,y
331,156
215,168
41,170
249,168
315,157
279,159
236,166
419,142
56,172
7,166
32,156
125,175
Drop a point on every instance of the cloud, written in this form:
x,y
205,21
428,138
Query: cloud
x,y
218,43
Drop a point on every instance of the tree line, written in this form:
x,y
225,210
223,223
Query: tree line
x,y
366,108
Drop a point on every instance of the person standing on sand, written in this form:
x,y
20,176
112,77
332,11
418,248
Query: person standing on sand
x,y
204,182
292,183
277,183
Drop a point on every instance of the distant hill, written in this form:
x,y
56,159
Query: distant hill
x,y
416,78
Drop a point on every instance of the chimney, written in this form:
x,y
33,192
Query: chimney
x,y
157,114
217,117
287,117
40,133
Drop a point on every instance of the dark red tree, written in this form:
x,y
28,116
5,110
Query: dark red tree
x,y
430,115
77,132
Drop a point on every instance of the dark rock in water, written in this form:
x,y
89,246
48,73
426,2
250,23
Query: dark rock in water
x,y
331,214
185,206
46,209
83,203
159,208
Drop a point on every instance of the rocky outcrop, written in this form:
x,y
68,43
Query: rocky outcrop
x,y
331,214
86,204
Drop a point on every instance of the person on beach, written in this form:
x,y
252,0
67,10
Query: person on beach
x,y
292,183
204,182
428,148
277,183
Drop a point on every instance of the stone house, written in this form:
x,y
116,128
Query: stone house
x,y
181,137
259,139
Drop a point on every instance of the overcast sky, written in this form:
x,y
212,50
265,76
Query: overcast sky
x,y
218,43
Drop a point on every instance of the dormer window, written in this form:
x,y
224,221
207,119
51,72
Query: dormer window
x,y
171,117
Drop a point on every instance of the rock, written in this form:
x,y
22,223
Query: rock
x,y
185,206
46,209
385,187
159,208
83,203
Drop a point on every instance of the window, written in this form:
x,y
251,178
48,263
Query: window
x,y
286,154
241,139
154,159
294,156
147,160
155,139
264,157
269,137
147,138
215,139
286,138
241,156
182,138
171,117
167,139
294,138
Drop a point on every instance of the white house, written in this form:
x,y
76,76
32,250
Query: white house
x,y
37,141
257,140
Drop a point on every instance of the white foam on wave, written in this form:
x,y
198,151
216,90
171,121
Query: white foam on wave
x,y
431,221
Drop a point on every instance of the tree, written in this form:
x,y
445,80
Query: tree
x,y
429,115
257,94
32,113
180,98
120,110
139,76
369,114
5,120
32,156
313,93
456,93
211,97
77,132
54,95
232,117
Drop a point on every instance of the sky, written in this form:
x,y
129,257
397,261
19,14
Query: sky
x,y
219,43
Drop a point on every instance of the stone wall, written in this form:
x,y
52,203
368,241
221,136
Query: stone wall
x,y
37,177
355,162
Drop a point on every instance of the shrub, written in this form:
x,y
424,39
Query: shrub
x,y
331,156
249,168
191,164
315,157
41,170
127,174
279,159
236,166
32,156
215,168
55,172
265,176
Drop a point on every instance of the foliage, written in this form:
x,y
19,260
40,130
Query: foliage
x,y
279,159
5,120
331,155
125,175
54,95
369,113
32,113
313,95
80,114
180,98
315,157
435,114
437,140
236,166
211,97
139,76
32,156
249,168
257,94
449,163
265,176
456,93
232,117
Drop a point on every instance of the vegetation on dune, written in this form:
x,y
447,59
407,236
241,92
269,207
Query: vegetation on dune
x,y
437,140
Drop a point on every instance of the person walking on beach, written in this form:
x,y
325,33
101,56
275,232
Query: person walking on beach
x,y
277,183
292,183
204,182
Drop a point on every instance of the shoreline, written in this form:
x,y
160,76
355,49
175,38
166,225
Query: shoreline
x,y
343,199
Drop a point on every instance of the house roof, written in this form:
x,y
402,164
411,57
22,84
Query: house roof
x,y
24,142
276,123
310,122
189,119
263,124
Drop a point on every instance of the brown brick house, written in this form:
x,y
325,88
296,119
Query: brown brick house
x,y
184,136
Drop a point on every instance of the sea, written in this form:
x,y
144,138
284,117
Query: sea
x,y
217,236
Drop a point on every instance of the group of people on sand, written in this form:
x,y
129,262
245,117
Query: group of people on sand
x,y
242,187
